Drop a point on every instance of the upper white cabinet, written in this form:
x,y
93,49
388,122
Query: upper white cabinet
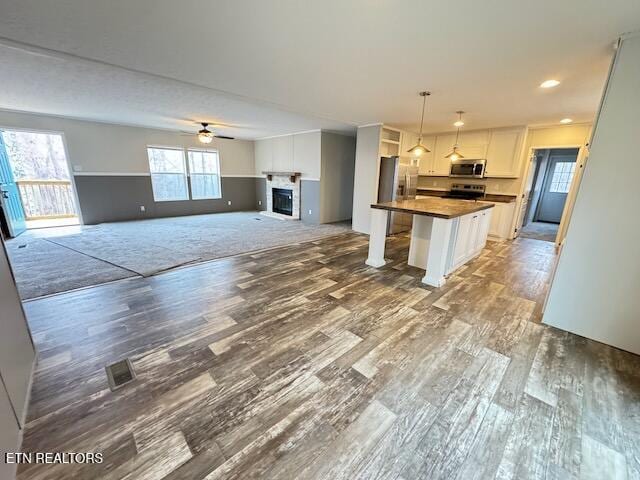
x,y
503,154
425,161
441,166
283,153
474,144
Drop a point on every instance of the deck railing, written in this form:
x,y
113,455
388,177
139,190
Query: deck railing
x,y
47,199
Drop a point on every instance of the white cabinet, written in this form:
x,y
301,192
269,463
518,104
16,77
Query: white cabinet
x,y
470,237
425,161
441,165
503,154
263,151
282,153
501,220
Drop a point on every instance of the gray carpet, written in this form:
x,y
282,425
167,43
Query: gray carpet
x,y
118,250
42,268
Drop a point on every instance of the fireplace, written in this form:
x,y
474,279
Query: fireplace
x,y
282,201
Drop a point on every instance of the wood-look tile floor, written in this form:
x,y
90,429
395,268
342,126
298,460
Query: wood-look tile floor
x,y
302,362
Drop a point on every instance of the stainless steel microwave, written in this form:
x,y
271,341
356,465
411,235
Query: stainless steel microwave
x,y
467,168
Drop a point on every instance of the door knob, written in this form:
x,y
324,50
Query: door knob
x,y
5,194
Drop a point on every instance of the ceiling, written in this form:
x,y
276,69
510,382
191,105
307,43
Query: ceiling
x,y
270,67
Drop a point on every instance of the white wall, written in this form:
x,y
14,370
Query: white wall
x,y
107,148
595,289
290,153
336,181
365,188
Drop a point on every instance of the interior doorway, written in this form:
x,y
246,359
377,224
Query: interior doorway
x,y
548,185
36,189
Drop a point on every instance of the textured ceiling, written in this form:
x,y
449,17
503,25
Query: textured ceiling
x,y
277,66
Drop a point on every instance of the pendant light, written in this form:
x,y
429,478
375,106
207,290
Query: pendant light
x,y
455,155
419,148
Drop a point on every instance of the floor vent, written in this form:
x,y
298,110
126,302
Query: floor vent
x,y
120,373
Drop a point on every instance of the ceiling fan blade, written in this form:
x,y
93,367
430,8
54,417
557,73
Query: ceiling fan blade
x,y
224,137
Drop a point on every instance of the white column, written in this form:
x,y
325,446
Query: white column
x,y
438,253
377,237
420,240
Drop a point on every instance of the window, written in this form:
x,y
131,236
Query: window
x,y
562,176
168,174
204,174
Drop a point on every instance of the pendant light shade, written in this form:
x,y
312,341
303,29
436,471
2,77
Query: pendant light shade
x,y
419,149
455,154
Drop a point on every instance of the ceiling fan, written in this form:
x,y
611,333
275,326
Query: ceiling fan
x,y
206,136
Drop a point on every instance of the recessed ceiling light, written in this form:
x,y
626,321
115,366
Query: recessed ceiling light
x,y
549,84
566,120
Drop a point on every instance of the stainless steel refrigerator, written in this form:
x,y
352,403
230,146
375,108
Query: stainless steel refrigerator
x,y
398,181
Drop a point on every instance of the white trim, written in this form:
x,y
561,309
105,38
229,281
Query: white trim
x,y
240,175
371,125
146,174
289,134
111,174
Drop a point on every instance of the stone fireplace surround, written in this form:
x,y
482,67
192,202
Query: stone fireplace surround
x,y
286,180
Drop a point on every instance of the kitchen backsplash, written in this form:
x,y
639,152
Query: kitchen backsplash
x,y
504,186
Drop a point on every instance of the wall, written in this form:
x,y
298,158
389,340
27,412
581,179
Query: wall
x,y
367,166
336,181
110,167
595,289
17,357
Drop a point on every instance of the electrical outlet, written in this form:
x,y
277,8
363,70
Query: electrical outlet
x,y
142,209
77,168
229,202
309,212
498,186
435,183
259,202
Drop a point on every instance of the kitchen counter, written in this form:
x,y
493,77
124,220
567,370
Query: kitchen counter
x,y
489,197
445,234
435,207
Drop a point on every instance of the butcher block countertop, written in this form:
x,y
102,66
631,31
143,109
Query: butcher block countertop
x,y
435,207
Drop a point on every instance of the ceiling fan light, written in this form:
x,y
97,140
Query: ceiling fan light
x,y
459,123
205,136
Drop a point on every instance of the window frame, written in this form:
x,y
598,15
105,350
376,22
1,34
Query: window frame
x,y
191,174
564,177
185,173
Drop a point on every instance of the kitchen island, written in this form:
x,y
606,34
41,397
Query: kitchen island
x,y
445,234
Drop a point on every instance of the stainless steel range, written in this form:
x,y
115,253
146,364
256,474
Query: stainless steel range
x,y
466,191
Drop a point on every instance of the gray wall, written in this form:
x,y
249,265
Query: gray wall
x,y
310,201
110,198
261,193
595,289
17,357
338,156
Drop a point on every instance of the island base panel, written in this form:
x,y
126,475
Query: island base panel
x,y
438,252
420,239
377,237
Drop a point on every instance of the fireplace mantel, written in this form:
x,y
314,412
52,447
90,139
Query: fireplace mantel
x,y
291,175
